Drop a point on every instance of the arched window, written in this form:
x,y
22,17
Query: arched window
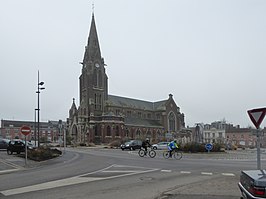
x,y
96,131
95,78
108,131
148,134
117,131
127,133
172,121
98,101
100,84
138,133
74,132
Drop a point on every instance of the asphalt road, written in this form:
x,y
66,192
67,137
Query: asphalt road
x,y
111,173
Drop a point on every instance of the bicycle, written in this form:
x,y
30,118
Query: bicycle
x,y
150,152
175,154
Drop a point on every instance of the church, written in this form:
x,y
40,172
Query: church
x,y
105,118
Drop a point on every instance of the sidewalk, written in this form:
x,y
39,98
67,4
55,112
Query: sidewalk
x,y
11,163
222,187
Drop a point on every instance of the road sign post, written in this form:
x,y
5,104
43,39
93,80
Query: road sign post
x,y
25,130
257,116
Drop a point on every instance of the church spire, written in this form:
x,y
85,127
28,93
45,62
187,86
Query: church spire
x,y
92,52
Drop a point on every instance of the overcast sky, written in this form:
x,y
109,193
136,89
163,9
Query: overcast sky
x,y
211,55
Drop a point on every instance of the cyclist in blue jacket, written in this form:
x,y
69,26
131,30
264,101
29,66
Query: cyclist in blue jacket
x,y
171,146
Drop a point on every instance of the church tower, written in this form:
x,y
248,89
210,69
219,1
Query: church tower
x,y
93,79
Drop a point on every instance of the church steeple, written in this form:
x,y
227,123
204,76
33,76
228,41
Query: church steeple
x,y
92,52
93,80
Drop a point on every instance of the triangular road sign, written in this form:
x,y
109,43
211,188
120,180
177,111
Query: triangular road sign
x,y
257,116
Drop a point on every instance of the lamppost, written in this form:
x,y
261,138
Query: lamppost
x,y
35,135
40,84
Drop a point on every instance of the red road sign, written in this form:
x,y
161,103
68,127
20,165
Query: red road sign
x,y
25,130
257,116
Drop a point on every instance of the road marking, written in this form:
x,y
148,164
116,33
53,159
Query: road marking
x,y
228,174
167,171
84,178
120,171
206,173
49,185
185,172
8,171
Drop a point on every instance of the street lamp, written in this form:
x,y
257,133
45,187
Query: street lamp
x,y
35,134
40,84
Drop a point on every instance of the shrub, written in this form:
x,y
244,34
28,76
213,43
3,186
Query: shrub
x,y
194,147
115,144
43,153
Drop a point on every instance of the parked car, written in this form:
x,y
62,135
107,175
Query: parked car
x,y
160,145
30,145
132,145
252,184
17,146
4,143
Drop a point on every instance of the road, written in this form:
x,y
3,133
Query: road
x,y
112,173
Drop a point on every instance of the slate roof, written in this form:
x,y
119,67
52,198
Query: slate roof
x,y
142,122
135,103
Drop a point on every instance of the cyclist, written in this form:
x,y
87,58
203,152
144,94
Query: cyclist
x,y
146,144
172,146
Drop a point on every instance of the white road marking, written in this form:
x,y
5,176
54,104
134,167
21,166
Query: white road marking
x,y
185,172
49,185
168,171
206,173
121,171
9,171
77,180
228,174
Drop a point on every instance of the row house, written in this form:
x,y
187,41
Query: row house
x,y
227,134
51,131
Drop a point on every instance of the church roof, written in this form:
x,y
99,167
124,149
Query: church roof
x,y
135,103
142,122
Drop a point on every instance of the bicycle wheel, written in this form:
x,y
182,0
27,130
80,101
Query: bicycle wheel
x,y
178,155
152,153
166,154
141,153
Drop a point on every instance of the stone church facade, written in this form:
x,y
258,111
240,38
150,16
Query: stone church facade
x,y
104,118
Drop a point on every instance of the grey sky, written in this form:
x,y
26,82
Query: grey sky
x,y
209,54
